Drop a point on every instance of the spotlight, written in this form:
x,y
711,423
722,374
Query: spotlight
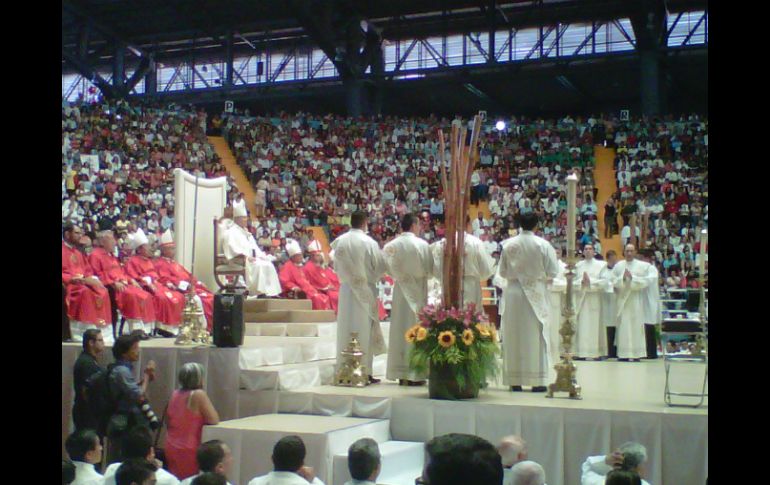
x,y
500,125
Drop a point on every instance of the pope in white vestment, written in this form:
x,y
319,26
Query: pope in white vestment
x,y
591,283
410,263
261,275
359,264
631,278
478,267
527,262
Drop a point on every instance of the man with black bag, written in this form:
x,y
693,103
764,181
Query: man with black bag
x,y
127,399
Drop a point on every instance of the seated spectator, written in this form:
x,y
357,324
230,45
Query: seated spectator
x,y
364,462
623,477
85,451
288,465
68,471
630,456
460,459
137,447
136,472
527,473
209,479
512,449
86,366
215,457
189,409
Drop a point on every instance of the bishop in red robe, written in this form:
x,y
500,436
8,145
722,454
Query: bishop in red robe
x,y
134,303
293,278
87,300
316,275
168,304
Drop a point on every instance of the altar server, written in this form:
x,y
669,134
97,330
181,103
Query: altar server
x,y
527,262
88,302
591,283
410,263
631,278
293,278
261,276
359,263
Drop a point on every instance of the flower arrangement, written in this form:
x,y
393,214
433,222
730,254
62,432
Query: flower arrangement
x,y
461,345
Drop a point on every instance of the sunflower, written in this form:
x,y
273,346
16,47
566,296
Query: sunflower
x,y
446,339
422,334
468,336
411,334
483,329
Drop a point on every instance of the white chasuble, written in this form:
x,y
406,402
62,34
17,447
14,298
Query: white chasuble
x,y
631,296
261,275
590,333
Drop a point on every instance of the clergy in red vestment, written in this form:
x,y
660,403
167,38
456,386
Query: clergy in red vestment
x,y
176,278
168,304
135,304
316,275
293,278
87,300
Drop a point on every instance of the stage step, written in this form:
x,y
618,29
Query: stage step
x,y
270,351
288,377
402,462
291,316
271,304
296,329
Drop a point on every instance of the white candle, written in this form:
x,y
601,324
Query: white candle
x,y
571,214
704,238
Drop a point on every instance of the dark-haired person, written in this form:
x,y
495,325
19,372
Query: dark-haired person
x,y
85,451
213,457
360,264
527,263
364,462
137,448
209,479
131,394
623,477
86,366
68,471
288,465
136,472
410,263
461,459
317,276
88,302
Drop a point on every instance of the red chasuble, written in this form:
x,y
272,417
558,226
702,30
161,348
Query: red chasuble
x,y
168,304
292,276
85,304
133,302
316,276
169,271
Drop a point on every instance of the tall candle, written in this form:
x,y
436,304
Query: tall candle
x,y
571,214
704,238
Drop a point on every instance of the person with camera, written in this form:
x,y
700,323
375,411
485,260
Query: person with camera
x,y
128,398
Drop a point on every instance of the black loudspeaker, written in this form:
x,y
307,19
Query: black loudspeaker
x,y
228,320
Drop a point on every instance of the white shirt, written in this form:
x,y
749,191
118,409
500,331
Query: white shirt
x,y
283,478
86,474
595,471
162,476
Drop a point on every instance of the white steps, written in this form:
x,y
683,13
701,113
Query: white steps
x,y
291,316
289,376
271,304
402,462
289,329
271,351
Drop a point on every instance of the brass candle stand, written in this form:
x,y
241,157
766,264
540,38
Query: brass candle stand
x,y
352,372
566,371
193,330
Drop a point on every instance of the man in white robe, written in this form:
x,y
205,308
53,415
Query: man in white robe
x,y
591,283
653,309
359,263
527,263
631,278
261,275
410,263
609,308
478,266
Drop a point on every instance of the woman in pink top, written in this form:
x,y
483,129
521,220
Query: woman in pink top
x,y
188,410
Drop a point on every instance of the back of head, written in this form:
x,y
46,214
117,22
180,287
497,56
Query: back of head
x,y
67,472
191,376
363,458
622,477
460,459
289,454
512,449
137,443
123,344
408,221
528,221
527,473
358,219
134,472
209,478
81,442
209,455
634,455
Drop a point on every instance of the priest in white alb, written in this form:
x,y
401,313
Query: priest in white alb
x,y
591,283
261,275
527,263
410,263
360,264
478,266
631,278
